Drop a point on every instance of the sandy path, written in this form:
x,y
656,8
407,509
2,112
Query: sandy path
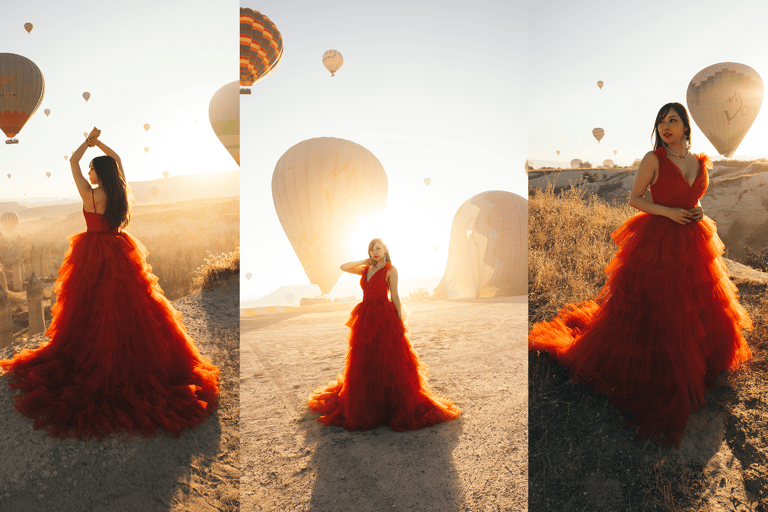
x,y
198,472
477,354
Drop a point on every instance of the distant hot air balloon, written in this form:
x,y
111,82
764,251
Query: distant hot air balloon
x,y
47,112
86,96
224,114
21,91
248,276
289,297
28,28
9,176
146,150
724,100
558,151
615,151
146,127
600,84
195,121
599,133
155,191
165,174
85,134
332,60
66,157
488,249
608,163
575,163
48,174
323,188
261,46
427,181
435,248
9,220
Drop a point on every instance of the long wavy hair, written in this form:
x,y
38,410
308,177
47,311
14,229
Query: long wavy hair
x,y
112,182
680,109
386,249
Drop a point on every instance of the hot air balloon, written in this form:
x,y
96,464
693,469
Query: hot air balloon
x,y
195,121
427,181
600,84
248,276
146,150
66,157
724,100
165,174
85,134
608,163
488,250
261,46
599,133
9,220
146,127
322,189
21,91
86,96
435,248
224,114
155,191
28,28
332,60
9,176
615,151
575,163
558,151
289,297
47,112
48,174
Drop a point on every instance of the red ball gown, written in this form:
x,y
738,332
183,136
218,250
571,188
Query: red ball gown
x,y
666,322
119,358
384,381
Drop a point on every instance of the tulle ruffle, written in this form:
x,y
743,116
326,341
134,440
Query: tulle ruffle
x,y
119,358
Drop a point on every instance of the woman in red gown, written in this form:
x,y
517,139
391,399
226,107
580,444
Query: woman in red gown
x,y
667,321
119,358
384,381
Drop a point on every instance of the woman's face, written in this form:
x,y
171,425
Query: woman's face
x,y
377,252
671,128
92,176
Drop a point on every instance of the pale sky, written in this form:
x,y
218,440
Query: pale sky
x,y
439,90
142,62
646,54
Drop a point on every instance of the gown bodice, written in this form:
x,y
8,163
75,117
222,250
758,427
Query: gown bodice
x,y
671,188
95,223
377,288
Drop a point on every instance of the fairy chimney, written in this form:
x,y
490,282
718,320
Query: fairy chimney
x,y
34,259
17,271
35,306
47,262
3,281
6,320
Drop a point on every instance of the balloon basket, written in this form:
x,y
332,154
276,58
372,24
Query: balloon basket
x,y
12,141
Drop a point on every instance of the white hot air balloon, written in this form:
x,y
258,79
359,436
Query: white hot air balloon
x,y
488,249
608,163
575,163
248,276
332,60
165,174
724,100
323,189
9,220
224,114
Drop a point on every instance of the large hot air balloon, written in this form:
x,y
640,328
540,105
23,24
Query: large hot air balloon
x,y
9,220
154,191
599,133
488,250
575,163
261,46
332,60
28,28
224,114
608,163
86,96
322,189
600,84
21,91
724,100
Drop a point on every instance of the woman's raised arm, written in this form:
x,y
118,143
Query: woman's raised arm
x,y
356,267
83,187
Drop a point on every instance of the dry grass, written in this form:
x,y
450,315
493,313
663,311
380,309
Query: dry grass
x,y
217,268
581,457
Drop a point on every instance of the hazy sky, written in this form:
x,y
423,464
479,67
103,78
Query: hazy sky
x,y
438,90
144,62
646,53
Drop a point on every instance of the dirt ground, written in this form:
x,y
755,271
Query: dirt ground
x,y
198,472
477,355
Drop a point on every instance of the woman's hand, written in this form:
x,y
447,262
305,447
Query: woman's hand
x,y
370,262
94,133
697,213
680,215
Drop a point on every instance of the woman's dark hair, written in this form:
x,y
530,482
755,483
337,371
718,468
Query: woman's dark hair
x,y
386,249
112,182
662,114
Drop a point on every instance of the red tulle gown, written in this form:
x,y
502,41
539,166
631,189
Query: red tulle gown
x,y
384,381
667,321
119,358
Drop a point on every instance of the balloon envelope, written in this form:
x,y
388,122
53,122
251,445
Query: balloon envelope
x,y
575,163
48,174
248,276
165,174
146,127
615,151
598,133
47,112
86,96
323,188
724,100
558,151
427,181
332,60
28,28
224,114
9,220
600,83
261,46
146,150
608,163
488,250
21,91
155,191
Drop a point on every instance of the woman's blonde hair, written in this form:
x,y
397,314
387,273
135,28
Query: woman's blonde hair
x,y
386,249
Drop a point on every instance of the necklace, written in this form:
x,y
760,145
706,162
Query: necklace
x,y
678,156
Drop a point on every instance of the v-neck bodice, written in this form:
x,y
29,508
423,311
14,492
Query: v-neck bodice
x,y
672,188
376,288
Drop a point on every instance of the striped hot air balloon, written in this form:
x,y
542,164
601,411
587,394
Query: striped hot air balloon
x,y
332,60
28,28
261,46
21,91
599,133
9,220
